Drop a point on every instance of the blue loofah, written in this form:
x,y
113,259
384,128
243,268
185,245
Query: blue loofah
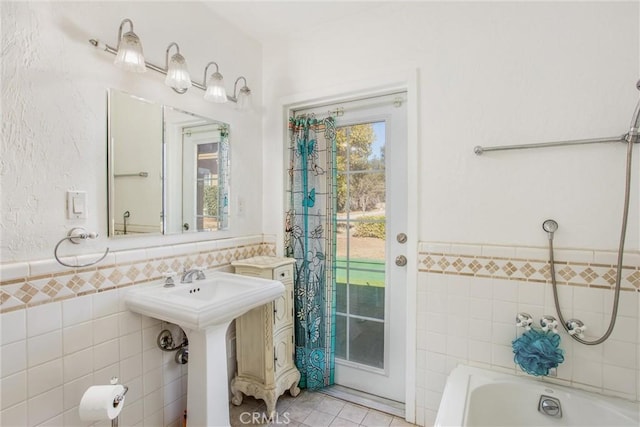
x,y
536,352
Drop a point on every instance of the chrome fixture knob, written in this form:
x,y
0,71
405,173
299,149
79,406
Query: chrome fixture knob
x,y
576,327
550,406
182,356
549,323
524,320
401,260
168,279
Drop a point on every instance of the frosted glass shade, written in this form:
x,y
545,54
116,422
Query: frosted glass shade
x,y
178,73
129,56
243,103
215,89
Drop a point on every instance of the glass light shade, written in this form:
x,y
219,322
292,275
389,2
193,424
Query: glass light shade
x,y
178,74
215,89
129,56
243,103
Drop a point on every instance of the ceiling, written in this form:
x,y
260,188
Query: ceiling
x,y
269,20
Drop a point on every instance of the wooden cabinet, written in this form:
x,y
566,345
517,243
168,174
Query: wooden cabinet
x,y
265,338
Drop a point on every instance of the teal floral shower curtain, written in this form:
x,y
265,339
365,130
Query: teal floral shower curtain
x,y
310,239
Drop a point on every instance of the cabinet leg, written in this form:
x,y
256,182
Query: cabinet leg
x,y
236,399
270,400
294,390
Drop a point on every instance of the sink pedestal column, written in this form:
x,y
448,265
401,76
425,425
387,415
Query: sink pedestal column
x,y
208,389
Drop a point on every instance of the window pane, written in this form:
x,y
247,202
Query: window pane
x,y
366,342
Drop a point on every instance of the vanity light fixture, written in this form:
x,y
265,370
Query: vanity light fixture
x,y
177,72
242,98
215,91
129,56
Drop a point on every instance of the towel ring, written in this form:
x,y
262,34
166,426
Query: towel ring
x,y
75,236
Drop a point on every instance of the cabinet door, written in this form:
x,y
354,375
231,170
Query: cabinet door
x,y
283,350
283,310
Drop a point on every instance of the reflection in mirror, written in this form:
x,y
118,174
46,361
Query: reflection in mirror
x,y
135,165
149,142
196,149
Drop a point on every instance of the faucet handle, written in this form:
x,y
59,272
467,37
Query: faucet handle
x,y
549,323
168,279
200,273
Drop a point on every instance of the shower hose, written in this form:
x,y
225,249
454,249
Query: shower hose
x,y
614,313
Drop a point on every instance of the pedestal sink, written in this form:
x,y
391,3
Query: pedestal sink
x,y
204,310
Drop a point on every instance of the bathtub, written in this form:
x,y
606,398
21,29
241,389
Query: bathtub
x,y
479,397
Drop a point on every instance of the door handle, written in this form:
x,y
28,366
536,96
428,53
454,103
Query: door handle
x,y
401,260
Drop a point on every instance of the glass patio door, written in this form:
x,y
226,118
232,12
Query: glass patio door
x,y
371,188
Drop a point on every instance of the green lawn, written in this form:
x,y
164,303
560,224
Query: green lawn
x,y
372,276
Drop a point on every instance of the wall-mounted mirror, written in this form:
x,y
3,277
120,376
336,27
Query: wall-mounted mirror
x,y
168,169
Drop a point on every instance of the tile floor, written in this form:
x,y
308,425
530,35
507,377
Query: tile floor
x,y
310,409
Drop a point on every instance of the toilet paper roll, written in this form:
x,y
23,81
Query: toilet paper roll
x,y
97,402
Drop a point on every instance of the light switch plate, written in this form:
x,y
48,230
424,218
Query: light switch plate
x,y
76,204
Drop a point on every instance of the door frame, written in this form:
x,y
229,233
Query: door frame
x,y
407,81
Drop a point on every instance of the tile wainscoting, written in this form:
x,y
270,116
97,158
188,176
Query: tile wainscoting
x,y
64,330
468,298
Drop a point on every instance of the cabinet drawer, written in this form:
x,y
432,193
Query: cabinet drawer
x,y
283,274
255,272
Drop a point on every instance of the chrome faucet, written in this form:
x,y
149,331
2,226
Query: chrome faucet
x,y
187,275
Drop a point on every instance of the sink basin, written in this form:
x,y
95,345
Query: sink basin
x,y
219,298
204,309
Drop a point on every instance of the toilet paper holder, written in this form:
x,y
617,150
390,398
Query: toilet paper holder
x,y
119,398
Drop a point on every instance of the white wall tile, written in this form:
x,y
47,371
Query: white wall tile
x,y
14,416
106,374
44,406
77,364
78,337
77,310
44,348
74,390
44,377
130,344
13,358
105,303
481,309
619,353
13,389
13,326
152,380
480,351
619,379
130,368
505,290
105,354
129,322
153,403
105,329
44,318
504,312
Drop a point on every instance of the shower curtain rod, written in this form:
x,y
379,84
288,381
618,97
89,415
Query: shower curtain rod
x,y
479,149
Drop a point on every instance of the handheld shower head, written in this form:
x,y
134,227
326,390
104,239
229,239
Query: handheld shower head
x,y
550,226
634,128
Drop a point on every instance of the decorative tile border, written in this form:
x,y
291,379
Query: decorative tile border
x,y
583,274
126,268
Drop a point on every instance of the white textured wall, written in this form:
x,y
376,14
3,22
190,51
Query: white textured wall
x,y
54,112
492,73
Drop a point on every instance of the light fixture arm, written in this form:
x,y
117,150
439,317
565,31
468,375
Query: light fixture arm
x,y
204,80
166,56
124,21
234,98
